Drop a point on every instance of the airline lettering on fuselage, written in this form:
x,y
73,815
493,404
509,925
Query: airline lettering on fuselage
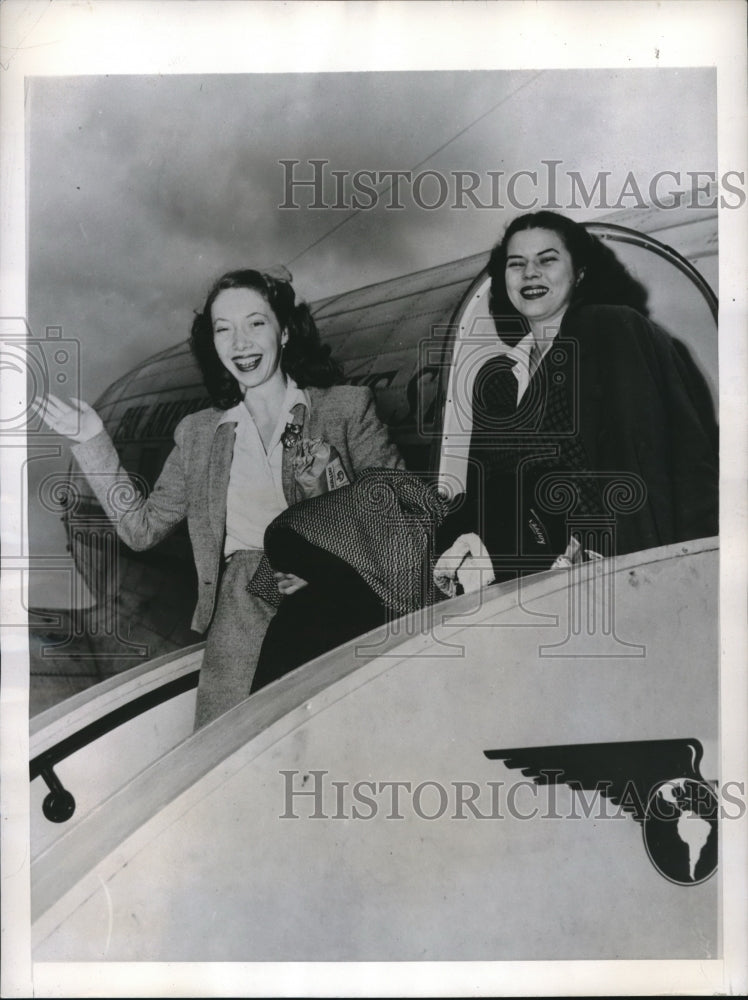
x,y
420,394
422,387
158,420
375,380
127,428
161,420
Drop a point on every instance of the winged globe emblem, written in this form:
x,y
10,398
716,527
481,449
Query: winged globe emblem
x,y
658,782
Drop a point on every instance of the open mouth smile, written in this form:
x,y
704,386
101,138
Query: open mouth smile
x,y
533,291
247,362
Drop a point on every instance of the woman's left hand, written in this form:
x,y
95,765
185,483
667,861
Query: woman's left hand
x,y
468,563
288,583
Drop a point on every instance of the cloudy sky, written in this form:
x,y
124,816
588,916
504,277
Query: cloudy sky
x,y
143,189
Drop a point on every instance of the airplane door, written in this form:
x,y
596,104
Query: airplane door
x,y
681,301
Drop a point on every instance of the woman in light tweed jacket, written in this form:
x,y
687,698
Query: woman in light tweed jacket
x,y
231,470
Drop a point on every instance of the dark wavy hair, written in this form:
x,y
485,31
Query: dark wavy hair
x,y
603,279
304,358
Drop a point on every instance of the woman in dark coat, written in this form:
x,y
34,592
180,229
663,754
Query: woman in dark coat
x,y
592,427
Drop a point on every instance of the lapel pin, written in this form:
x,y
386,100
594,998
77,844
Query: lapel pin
x,y
291,435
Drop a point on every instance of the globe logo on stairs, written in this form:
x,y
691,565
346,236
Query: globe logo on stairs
x,y
680,830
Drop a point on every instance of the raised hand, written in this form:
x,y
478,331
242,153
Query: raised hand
x,y
75,420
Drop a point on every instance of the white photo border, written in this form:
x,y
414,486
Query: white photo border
x,y
170,37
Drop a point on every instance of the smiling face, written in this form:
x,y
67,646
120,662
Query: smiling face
x,y
248,336
540,276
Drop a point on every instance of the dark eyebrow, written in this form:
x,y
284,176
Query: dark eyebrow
x,y
257,312
520,256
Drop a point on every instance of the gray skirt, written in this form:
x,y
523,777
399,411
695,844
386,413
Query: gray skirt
x,y
234,639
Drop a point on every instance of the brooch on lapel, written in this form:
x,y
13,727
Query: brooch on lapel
x,y
291,435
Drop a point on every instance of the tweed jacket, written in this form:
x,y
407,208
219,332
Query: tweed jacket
x,y
195,476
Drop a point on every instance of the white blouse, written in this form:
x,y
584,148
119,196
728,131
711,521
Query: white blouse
x,y
255,494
